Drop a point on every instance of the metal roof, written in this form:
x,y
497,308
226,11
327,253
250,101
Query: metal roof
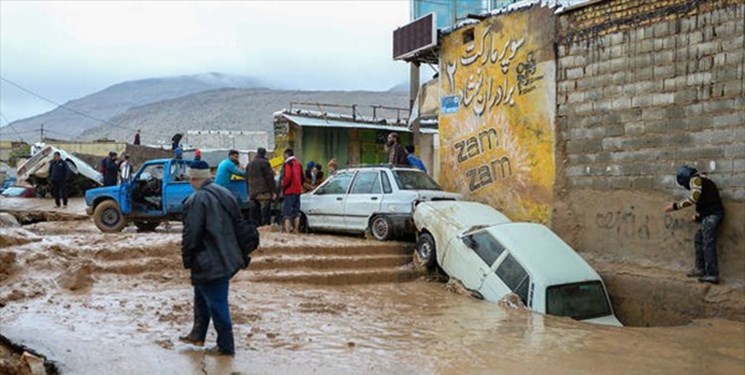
x,y
336,123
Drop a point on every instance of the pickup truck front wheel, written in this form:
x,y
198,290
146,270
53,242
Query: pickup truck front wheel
x,y
108,217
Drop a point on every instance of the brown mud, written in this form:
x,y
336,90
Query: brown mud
x,y
115,303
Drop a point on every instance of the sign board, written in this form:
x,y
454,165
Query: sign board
x,y
449,104
418,35
276,162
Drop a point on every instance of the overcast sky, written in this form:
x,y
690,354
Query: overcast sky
x,y
65,50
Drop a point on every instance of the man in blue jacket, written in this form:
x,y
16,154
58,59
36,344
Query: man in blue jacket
x,y
228,168
413,160
209,248
58,173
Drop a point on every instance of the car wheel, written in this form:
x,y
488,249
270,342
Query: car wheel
x,y
147,226
381,228
425,255
108,217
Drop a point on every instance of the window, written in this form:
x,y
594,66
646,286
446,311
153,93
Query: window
x,y
579,300
515,276
152,171
365,183
485,245
386,183
415,180
338,185
178,171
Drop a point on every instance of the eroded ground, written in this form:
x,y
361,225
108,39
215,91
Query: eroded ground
x,y
115,303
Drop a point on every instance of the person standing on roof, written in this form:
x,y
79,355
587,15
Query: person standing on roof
x,y
292,187
261,187
709,212
413,160
227,168
394,150
58,174
137,137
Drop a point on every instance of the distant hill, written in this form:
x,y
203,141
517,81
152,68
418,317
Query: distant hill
x,y
117,99
229,109
401,87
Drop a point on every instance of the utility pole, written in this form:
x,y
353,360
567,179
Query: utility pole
x,y
41,131
413,91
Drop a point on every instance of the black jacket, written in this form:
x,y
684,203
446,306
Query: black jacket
x,y
259,177
209,247
110,172
58,171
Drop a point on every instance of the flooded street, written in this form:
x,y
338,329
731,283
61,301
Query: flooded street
x,y
116,303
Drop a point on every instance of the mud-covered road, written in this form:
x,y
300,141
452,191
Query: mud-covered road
x,y
115,304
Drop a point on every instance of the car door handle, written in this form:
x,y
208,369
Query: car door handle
x,y
374,198
339,198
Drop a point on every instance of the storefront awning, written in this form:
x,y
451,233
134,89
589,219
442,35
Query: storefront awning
x,y
336,123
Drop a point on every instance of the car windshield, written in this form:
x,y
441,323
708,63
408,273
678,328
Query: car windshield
x,y
579,300
414,180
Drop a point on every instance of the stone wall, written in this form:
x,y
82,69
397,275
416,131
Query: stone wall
x,y
642,88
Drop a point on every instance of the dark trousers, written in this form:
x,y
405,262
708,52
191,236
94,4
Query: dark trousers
x,y
211,302
59,192
261,212
706,245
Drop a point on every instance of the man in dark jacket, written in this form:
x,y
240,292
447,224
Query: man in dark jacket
x,y
209,248
709,212
58,174
110,170
395,151
261,189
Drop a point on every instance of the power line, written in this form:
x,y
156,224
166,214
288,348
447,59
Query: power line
x,y
72,109
8,124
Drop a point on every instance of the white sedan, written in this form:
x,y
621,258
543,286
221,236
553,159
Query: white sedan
x,y
492,257
378,198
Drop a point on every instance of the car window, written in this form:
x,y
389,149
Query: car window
x,y
414,180
338,185
152,171
386,183
515,277
485,245
178,171
365,182
579,300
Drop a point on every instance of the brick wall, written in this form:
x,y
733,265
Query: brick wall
x,y
643,87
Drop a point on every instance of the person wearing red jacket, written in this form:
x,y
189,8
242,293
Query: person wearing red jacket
x,y
292,187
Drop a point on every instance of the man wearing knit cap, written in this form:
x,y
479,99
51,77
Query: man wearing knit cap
x,y
209,248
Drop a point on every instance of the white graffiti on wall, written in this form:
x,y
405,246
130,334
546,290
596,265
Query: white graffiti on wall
x,y
487,93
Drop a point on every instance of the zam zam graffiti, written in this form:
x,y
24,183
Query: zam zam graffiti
x,y
483,94
476,145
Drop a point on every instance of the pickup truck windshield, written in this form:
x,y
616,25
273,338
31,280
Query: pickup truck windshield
x,y
579,300
415,180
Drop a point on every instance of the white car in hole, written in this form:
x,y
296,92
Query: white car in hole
x,y
493,256
378,198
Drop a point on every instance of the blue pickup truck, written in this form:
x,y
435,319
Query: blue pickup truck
x,y
156,193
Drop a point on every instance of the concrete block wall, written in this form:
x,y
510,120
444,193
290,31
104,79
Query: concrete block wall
x,y
642,88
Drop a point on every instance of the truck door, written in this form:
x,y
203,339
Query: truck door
x,y
176,188
147,191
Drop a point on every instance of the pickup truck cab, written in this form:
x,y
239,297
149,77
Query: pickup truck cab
x,y
155,193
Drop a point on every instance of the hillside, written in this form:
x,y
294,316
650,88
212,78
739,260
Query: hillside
x,y
114,100
227,109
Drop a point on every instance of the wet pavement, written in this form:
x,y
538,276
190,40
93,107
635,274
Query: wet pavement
x,y
115,303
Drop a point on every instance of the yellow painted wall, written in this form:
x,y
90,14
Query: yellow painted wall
x,y
499,139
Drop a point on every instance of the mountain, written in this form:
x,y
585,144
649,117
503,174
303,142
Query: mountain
x,y
401,87
230,109
66,122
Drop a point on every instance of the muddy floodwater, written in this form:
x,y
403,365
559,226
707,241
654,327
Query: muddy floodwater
x,y
98,303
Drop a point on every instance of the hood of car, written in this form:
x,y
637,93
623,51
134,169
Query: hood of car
x,y
92,194
608,320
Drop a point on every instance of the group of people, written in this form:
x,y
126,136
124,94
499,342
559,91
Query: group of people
x,y
115,170
400,155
